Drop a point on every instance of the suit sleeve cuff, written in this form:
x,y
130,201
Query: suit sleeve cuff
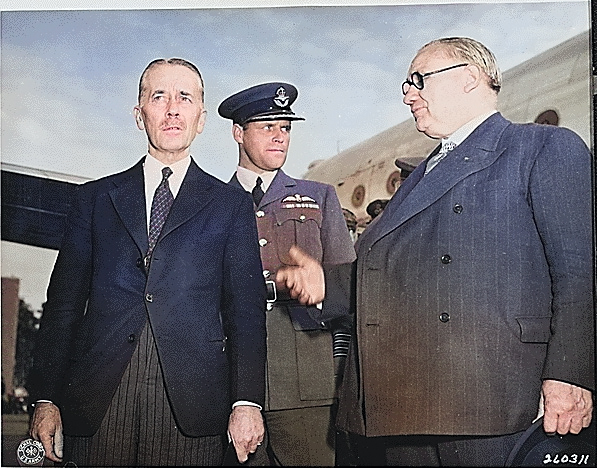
x,y
246,403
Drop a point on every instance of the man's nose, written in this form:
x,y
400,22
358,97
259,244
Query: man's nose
x,y
411,95
278,135
172,109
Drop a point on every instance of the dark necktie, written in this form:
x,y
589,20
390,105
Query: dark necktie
x,y
257,191
160,207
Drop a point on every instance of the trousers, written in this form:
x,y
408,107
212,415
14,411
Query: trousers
x,y
139,428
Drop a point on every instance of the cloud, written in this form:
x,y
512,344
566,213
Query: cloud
x,y
69,78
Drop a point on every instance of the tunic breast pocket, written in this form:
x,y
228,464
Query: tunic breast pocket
x,y
298,226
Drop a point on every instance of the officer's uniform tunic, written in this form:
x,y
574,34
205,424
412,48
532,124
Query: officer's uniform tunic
x,y
300,368
300,380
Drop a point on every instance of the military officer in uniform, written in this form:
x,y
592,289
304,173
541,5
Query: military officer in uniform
x,y
300,387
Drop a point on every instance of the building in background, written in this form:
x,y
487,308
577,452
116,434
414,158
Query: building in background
x,y
10,320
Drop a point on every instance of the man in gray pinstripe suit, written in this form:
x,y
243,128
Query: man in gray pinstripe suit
x,y
474,288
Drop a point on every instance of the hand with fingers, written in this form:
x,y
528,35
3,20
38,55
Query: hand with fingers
x,y
46,427
246,430
304,280
568,408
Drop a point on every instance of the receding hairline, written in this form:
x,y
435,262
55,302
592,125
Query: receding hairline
x,y
467,49
170,61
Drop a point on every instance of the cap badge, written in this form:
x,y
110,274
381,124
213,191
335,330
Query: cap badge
x,y
281,98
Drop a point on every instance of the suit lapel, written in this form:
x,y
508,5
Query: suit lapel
x,y
475,153
193,196
128,198
279,188
235,183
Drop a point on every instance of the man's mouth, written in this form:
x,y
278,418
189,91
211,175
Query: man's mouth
x,y
172,127
416,111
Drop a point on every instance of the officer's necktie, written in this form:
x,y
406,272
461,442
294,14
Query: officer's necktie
x,y
257,191
445,149
160,207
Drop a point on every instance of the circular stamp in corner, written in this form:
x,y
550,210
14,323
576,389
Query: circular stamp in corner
x,y
30,453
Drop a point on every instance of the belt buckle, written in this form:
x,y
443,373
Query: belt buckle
x,y
271,291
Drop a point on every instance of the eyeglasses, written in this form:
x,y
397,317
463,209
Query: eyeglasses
x,y
416,79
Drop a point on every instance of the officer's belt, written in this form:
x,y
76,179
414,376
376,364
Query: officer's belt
x,y
279,296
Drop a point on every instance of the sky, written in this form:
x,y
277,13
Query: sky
x,y
70,77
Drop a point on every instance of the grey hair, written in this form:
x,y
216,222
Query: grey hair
x,y
171,61
473,52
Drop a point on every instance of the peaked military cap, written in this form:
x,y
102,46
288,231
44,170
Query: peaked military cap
x,y
267,101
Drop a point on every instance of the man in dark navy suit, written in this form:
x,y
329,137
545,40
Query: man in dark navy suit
x,y
300,223
152,343
474,287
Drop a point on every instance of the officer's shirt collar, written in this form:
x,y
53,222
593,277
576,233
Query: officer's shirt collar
x,y
247,178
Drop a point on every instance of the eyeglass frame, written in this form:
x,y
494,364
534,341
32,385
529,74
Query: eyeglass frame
x,y
409,81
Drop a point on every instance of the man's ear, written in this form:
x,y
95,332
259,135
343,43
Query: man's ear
x,y
474,77
237,133
201,122
138,118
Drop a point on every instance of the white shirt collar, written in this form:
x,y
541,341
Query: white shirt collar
x,y
152,169
247,178
152,175
463,132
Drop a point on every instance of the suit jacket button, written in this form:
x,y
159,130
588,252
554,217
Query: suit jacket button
x,y
131,338
139,263
444,317
446,259
457,208
149,297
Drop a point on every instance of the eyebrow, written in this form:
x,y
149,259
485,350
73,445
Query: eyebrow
x,y
181,93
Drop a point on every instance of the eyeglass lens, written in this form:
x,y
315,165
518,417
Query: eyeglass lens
x,y
416,79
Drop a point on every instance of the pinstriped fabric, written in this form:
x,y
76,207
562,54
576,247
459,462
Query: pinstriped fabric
x,y
139,428
462,284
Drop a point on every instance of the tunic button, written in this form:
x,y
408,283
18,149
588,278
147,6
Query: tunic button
x,y
446,259
260,214
444,318
262,242
302,218
131,338
266,273
149,297
457,208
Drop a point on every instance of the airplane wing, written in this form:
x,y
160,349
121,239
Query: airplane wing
x,y
34,207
